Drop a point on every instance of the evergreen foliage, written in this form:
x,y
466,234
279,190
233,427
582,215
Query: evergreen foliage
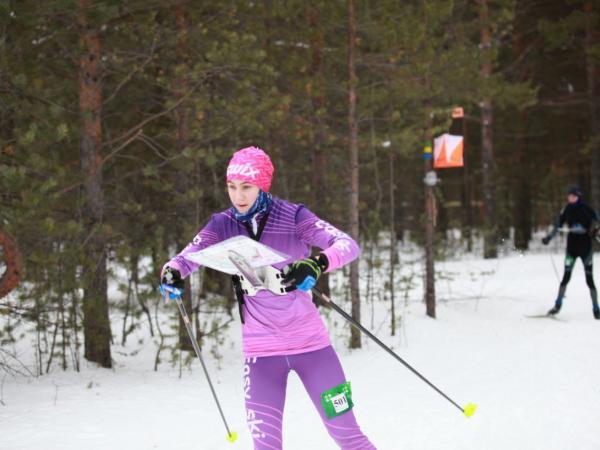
x,y
184,84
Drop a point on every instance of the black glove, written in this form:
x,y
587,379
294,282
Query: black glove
x,y
546,240
172,277
304,273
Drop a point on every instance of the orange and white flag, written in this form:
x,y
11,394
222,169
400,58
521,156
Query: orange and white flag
x,y
447,151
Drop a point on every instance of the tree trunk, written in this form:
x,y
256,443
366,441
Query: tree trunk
x,y
523,205
490,249
319,161
14,264
355,341
522,214
96,325
182,114
467,195
591,40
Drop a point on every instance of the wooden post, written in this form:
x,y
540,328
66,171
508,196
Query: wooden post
x,y
430,181
392,239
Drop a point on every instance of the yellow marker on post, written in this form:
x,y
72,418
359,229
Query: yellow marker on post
x,y
232,437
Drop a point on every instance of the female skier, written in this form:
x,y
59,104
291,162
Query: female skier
x,y
281,333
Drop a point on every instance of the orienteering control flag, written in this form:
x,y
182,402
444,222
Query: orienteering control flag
x,y
448,151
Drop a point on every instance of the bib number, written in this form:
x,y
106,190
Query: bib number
x,y
338,400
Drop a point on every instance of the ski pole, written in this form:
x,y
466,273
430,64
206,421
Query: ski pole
x,y
175,293
554,267
468,410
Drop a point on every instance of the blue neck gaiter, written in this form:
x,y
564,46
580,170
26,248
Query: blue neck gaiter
x,y
261,206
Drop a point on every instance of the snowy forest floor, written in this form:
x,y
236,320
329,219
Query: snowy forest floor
x,y
536,381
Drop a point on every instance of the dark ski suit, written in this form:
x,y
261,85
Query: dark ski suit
x,y
580,218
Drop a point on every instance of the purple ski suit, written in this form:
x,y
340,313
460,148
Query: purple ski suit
x,y
283,333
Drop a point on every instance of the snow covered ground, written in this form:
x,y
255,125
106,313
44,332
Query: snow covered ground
x,y
536,381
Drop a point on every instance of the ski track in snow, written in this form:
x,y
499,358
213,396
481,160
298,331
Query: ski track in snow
x,y
536,382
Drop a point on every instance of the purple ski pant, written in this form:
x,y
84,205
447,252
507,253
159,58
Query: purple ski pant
x,y
265,381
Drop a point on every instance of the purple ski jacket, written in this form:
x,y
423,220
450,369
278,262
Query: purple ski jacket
x,y
279,324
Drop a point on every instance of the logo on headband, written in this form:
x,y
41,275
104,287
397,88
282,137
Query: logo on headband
x,y
245,170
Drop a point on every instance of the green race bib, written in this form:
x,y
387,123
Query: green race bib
x,y
338,400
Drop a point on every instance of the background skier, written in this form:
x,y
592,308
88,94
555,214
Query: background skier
x,y
580,219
